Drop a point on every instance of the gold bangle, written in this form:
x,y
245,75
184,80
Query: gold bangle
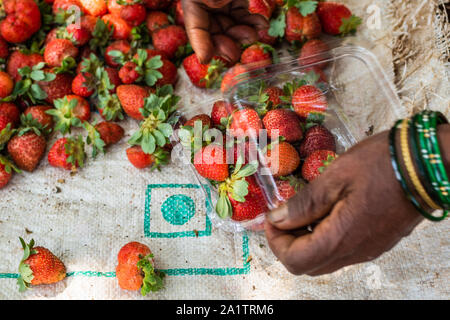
x,y
410,167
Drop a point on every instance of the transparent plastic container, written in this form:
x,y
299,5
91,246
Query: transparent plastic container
x,y
361,101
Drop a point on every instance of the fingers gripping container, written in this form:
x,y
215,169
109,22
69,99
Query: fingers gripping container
x,y
360,101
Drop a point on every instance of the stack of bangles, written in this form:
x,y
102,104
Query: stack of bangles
x,y
417,162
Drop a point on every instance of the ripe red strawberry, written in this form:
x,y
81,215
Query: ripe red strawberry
x,y
39,114
169,73
313,52
156,20
284,123
210,162
337,19
64,5
157,4
286,189
94,8
233,76
11,111
23,19
221,109
128,73
110,132
6,171
300,28
316,163
203,75
257,56
57,50
135,269
262,7
82,110
138,158
203,118
114,78
114,7
134,14
122,30
80,35
27,150
4,121
282,159
265,37
119,45
67,153
58,88
245,122
132,99
83,84
4,49
88,22
18,60
254,204
179,14
169,39
309,99
6,84
274,94
39,266
317,138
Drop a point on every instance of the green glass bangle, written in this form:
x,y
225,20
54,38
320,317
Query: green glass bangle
x,y
427,175
399,174
426,124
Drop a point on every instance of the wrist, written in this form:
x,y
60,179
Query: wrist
x,y
444,144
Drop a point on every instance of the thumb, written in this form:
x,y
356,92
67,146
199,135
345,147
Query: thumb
x,y
310,204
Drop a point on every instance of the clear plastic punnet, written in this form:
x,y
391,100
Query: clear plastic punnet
x,y
343,92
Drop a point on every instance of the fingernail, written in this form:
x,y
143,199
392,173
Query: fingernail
x,y
278,215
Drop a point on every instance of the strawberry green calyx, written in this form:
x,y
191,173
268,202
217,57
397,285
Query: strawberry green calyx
x,y
140,37
278,24
155,130
296,183
8,164
93,138
148,68
25,272
91,64
153,279
128,3
5,135
110,107
63,115
215,68
28,123
235,187
74,148
261,99
349,25
190,137
160,158
326,163
182,51
68,65
101,36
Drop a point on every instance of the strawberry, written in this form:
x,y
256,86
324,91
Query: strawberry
x,y
257,55
284,123
27,148
157,4
94,8
58,88
337,19
67,153
233,77
135,269
4,49
23,19
141,160
317,138
282,159
11,111
132,99
83,84
122,30
128,73
38,266
307,100
78,34
114,7
110,132
210,162
274,94
203,118
6,170
69,111
179,14
316,163
18,60
261,7
4,122
203,75
313,52
88,22
299,27
39,114
265,37
245,122
120,45
254,204
134,14
114,78
221,109
64,5
6,84
288,187
156,20
169,73
58,50
169,39
247,149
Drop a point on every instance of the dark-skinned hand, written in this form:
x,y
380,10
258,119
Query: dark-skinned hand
x,y
219,27
358,205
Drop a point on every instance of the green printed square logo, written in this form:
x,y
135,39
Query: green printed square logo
x,y
177,210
